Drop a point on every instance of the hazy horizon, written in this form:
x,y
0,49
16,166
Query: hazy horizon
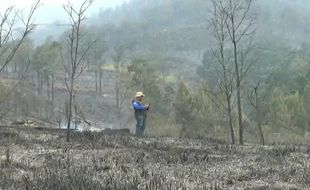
x,y
52,10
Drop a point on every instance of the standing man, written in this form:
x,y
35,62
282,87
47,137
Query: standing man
x,y
140,112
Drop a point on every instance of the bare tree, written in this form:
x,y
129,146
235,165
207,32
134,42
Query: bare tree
x,y
76,64
120,84
256,102
117,58
99,78
12,35
96,58
239,26
217,23
15,27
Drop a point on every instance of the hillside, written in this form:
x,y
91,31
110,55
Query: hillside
x,y
38,158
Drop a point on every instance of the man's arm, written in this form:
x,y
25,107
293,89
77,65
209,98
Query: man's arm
x,y
138,106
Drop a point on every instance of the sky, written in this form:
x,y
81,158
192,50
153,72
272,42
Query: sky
x,y
52,10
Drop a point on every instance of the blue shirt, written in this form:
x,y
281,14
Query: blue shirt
x,y
136,105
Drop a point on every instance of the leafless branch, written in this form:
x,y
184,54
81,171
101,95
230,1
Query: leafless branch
x,y
28,28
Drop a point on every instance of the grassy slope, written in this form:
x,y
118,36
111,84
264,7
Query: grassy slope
x,y
41,159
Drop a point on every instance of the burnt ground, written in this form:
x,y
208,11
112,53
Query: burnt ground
x,y
38,158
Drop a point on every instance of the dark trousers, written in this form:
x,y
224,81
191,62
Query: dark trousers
x,y
140,127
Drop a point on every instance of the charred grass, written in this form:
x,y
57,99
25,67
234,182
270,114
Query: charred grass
x,y
37,158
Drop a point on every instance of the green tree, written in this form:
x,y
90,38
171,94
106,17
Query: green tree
x,y
46,62
194,111
278,116
202,108
287,111
145,78
95,57
21,58
296,110
182,108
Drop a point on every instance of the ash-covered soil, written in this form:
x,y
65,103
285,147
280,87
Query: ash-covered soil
x,y
38,158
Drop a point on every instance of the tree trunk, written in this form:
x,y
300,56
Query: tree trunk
x,y
8,105
6,70
100,80
119,109
258,114
48,88
239,101
117,97
75,113
232,132
38,78
47,110
70,105
238,82
262,139
41,85
240,115
76,65
15,67
53,92
96,76
33,83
